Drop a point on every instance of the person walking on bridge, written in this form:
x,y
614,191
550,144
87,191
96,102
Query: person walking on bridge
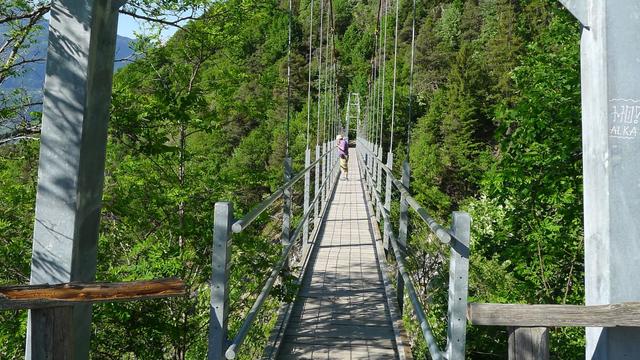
x,y
343,152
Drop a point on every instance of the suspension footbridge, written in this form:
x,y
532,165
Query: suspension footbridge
x,y
347,246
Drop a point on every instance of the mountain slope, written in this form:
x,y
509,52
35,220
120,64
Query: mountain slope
x,y
32,77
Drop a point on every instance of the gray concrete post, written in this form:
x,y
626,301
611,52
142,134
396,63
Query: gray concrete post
x,y
387,201
220,262
347,117
77,94
328,170
358,113
325,160
379,181
402,230
610,143
336,159
330,149
367,159
286,205
374,178
458,285
316,186
307,190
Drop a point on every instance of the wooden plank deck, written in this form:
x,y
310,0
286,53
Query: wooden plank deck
x,y
341,311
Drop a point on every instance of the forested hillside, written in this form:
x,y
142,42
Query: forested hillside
x,y
495,131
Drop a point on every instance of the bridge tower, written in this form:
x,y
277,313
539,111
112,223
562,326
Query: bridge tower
x,y
352,112
77,92
610,66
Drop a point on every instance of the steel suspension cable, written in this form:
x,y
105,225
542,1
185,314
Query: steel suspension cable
x,y
379,85
384,70
369,109
395,67
372,101
340,126
334,93
309,64
320,71
326,72
413,48
376,78
362,129
334,82
332,108
365,127
289,78
370,112
334,75
334,86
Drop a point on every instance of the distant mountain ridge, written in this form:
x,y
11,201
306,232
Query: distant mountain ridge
x,y
32,80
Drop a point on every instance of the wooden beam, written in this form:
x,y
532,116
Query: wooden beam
x,y
46,296
516,315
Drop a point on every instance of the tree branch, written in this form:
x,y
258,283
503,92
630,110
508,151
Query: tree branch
x,y
19,41
38,12
8,68
174,23
21,106
17,138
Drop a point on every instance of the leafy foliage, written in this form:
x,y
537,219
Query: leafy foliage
x,y
494,131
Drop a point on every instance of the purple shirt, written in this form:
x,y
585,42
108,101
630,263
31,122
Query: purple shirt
x,y
343,147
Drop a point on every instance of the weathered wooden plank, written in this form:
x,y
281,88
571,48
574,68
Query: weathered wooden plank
x,y
625,314
528,343
45,296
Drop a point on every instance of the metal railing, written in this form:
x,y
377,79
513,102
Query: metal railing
x,y
458,237
326,174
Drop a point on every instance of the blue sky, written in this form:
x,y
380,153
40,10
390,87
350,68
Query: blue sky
x,y
128,25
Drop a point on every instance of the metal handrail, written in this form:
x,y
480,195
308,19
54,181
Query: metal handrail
x,y
243,223
233,348
329,179
441,232
434,350
264,293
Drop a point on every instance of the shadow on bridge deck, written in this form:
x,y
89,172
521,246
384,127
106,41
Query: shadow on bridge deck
x,y
341,311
